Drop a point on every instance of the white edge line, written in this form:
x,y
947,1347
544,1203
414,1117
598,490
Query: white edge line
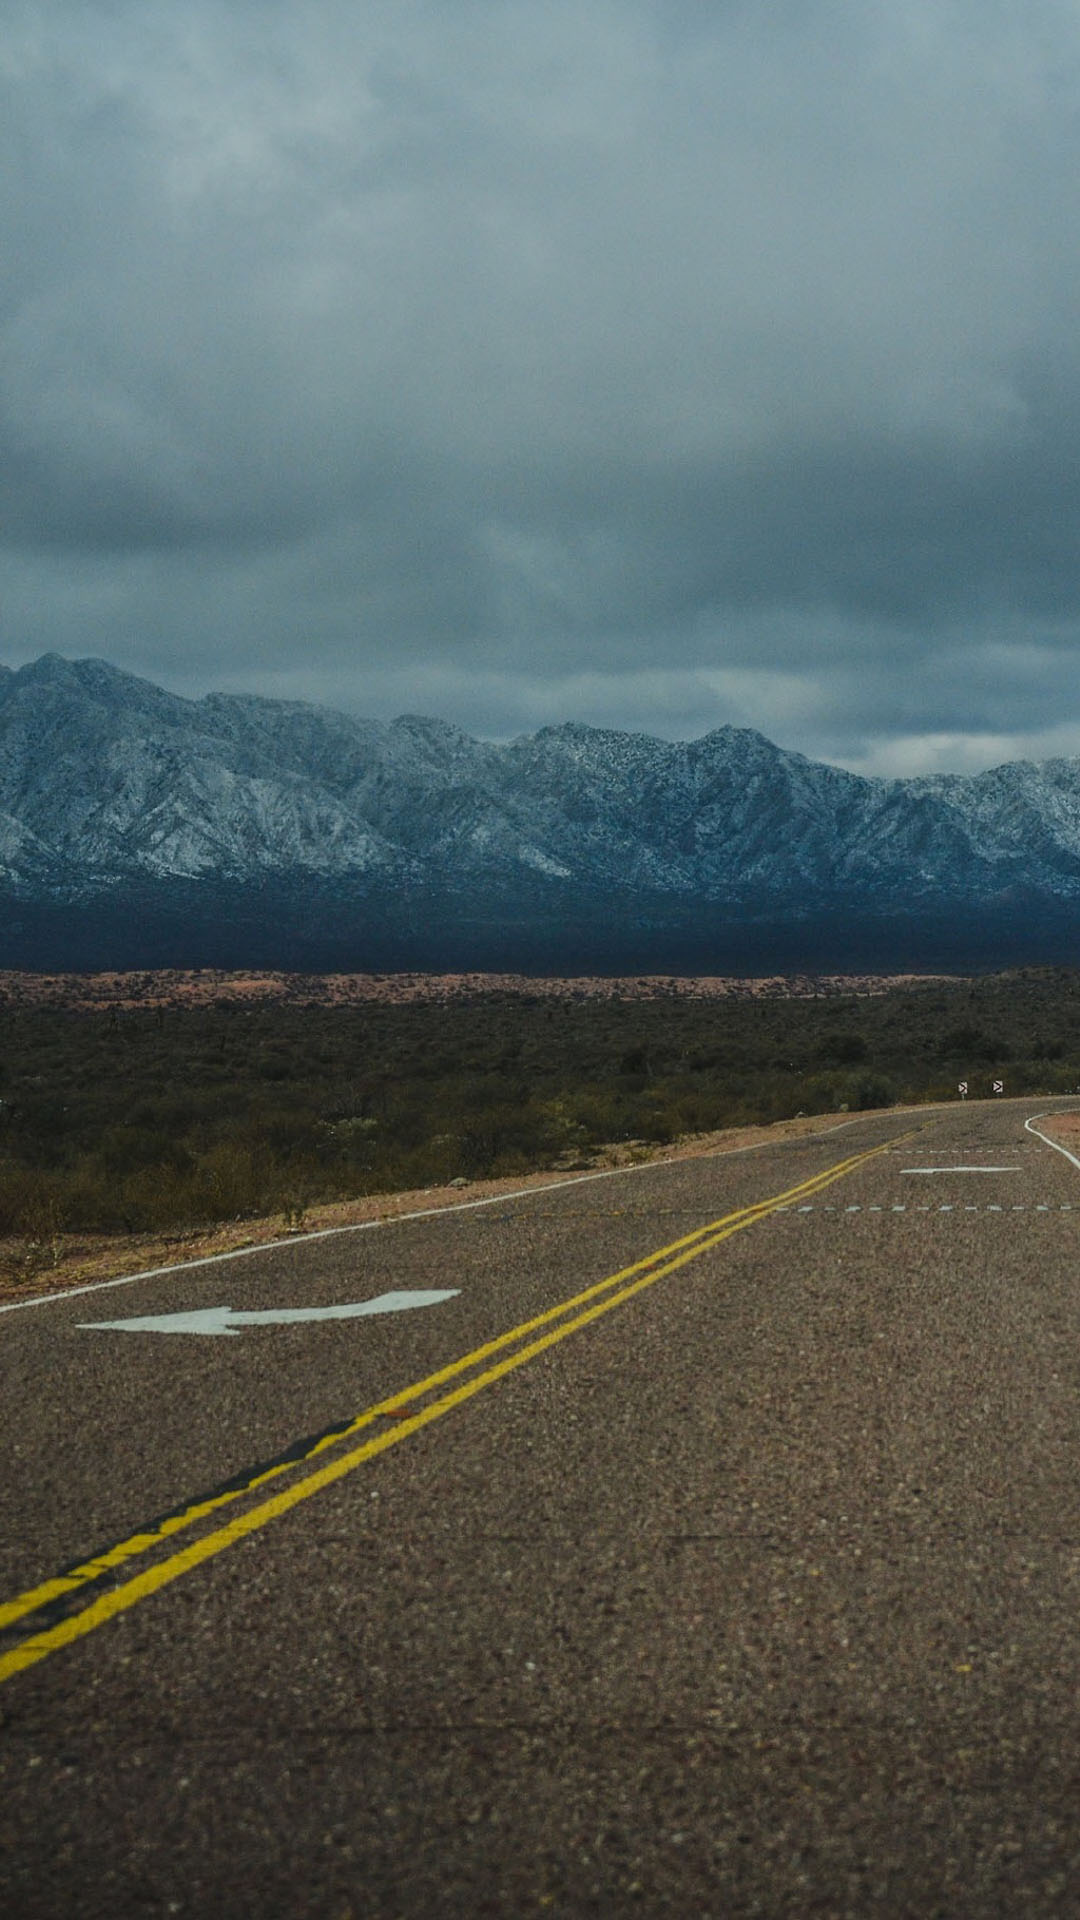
x,y
420,1213
1030,1127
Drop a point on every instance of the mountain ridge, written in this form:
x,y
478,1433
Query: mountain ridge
x,y
112,788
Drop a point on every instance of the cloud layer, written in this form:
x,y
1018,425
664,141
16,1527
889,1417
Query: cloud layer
x,y
656,364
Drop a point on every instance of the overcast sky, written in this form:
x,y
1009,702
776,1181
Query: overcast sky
x,y
659,364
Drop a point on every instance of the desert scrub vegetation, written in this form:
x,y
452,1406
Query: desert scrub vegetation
x,y
148,1120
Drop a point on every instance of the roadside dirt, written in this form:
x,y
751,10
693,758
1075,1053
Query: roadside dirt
x,y
30,1268
1063,1127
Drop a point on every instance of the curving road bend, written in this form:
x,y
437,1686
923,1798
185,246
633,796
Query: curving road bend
x,y
699,1539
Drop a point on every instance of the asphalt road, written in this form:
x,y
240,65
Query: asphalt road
x,y
713,1549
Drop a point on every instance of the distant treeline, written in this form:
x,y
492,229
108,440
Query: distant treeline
x,y
163,1119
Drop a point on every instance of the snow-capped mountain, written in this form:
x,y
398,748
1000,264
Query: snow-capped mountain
x,y
111,789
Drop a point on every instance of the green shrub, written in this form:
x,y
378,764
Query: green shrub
x,y
229,1111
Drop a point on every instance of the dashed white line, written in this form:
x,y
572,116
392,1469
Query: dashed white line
x,y
945,1206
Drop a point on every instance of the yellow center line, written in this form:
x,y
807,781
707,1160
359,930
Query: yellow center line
x,y
652,1267
166,1528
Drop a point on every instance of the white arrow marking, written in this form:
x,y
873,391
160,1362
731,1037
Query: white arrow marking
x,y
226,1320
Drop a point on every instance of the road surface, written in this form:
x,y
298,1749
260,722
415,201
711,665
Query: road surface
x,y
706,1541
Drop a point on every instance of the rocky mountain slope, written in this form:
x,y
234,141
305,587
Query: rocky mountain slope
x,y
113,791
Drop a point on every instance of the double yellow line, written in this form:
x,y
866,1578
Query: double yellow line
x,y
559,1322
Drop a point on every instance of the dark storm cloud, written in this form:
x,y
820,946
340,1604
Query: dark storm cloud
x,y
654,364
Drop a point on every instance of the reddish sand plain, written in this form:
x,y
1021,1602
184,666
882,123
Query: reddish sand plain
x,y
210,987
